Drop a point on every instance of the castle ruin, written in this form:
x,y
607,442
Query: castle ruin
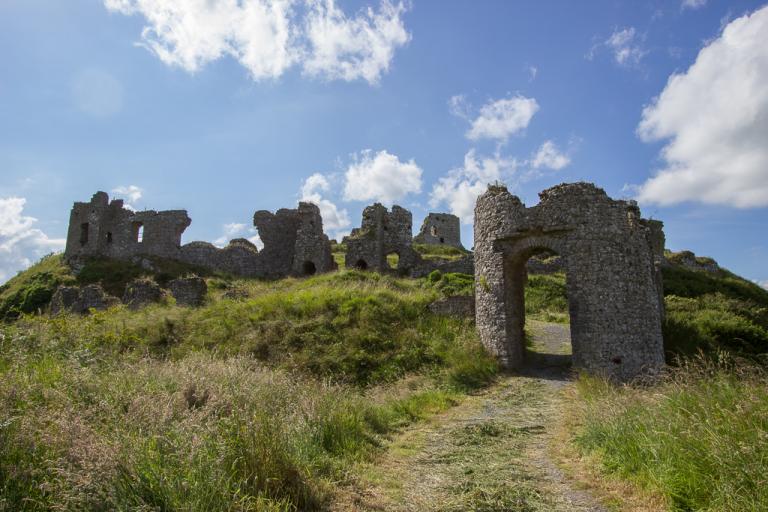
x,y
611,257
440,229
383,233
294,242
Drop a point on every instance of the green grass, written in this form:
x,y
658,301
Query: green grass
x,y
31,290
440,252
699,438
257,403
545,298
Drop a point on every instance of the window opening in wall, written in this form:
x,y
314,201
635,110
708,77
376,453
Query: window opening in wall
x,y
361,265
309,268
442,240
393,260
109,237
83,233
138,232
433,231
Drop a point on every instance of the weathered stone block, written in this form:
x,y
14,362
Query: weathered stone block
x,y
462,306
141,292
189,291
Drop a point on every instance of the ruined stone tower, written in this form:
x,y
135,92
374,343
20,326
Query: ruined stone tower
x,y
104,228
382,232
440,229
610,256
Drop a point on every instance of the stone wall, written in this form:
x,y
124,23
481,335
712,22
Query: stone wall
x,y
294,242
381,233
609,257
440,229
104,228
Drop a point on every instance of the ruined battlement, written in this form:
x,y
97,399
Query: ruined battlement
x,y
104,228
294,242
440,229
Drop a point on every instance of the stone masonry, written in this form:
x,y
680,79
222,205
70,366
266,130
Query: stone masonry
x,y
385,232
611,258
440,229
294,242
382,232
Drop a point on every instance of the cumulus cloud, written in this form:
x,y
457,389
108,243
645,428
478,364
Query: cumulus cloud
x,y
353,48
237,230
502,118
626,46
550,157
459,189
20,242
334,219
381,177
268,37
693,4
714,117
130,192
763,283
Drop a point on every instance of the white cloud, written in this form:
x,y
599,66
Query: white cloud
x,y
97,93
334,219
533,72
693,4
130,192
502,118
234,230
550,157
353,48
763,283
21,244
459,189
381,177
267,37
626,48
459,107
714,118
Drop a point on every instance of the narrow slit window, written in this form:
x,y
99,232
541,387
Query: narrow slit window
x,y
138,232
83,233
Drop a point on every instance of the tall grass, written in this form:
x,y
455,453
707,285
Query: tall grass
x,y
700,438
259,402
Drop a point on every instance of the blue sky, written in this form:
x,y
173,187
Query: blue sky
x,y
224,107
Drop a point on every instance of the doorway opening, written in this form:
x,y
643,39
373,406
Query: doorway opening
x,y
539,310
308,268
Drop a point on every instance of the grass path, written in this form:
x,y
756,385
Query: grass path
x,y
489,453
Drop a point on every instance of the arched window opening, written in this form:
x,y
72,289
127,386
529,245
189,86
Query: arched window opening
x,y
361,265
138,232
309,268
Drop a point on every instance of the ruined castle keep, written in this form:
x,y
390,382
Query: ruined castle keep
x,y
294,242
611,257
385,232
440,229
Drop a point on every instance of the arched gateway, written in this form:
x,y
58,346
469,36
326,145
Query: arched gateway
x,y
611,259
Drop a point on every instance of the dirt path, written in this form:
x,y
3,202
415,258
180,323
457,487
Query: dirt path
x,y
487,454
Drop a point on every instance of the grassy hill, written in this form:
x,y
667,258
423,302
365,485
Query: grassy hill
x,y
263,398
257,402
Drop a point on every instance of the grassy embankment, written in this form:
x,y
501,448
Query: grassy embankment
x,y
698,440
252,403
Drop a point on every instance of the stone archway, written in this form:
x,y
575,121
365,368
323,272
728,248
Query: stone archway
x,y
610,257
